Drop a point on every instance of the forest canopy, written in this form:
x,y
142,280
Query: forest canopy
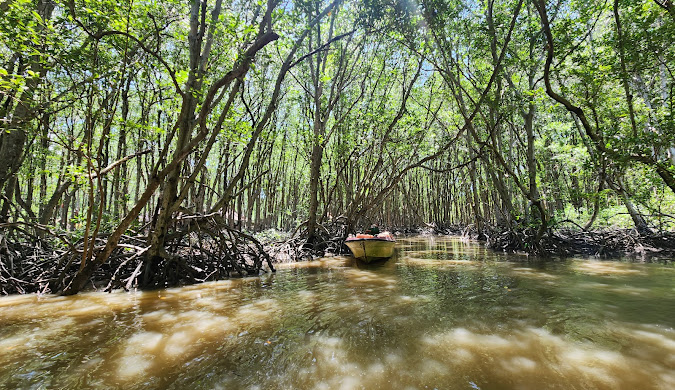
x,y
134,131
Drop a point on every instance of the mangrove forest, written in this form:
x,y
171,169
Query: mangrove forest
x,y
149,144
337,194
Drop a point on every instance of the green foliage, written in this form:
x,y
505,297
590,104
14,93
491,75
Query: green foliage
x,y
397,86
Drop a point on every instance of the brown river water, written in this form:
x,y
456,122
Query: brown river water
x,y
442,314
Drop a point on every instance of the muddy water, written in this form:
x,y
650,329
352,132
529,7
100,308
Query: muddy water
x,y
442,314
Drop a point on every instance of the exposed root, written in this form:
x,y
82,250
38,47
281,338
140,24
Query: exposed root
x,y
34,259
327,239
203,249
603,243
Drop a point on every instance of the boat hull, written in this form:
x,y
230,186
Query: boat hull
x,y
369,250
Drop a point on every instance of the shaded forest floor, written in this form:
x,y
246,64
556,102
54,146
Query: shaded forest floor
x,y
29,265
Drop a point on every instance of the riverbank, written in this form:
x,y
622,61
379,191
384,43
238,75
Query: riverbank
x,y
32,266
604,243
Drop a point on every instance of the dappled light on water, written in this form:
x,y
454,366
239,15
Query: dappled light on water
x,y
532,356
442,313
596,267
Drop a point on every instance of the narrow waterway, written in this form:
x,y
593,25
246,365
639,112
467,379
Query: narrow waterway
x,y
442,314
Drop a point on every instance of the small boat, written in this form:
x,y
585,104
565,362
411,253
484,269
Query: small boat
x,y
369,248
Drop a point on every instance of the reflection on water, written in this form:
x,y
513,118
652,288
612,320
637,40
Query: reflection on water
x,y
442,314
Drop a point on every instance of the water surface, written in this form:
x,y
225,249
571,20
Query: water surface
x,y
443,314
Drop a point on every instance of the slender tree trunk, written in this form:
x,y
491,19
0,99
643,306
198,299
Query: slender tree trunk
x,y
639,221
185,125
596,204
120,180
531,161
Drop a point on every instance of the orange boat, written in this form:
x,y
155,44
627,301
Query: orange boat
x,y
369,247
